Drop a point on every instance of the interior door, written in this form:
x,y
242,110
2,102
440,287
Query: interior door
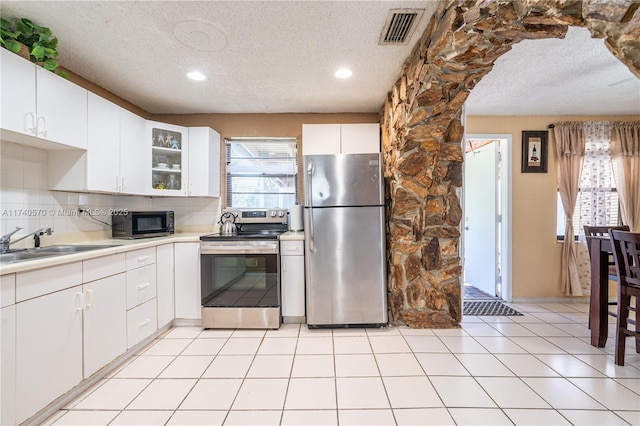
x,y
481,218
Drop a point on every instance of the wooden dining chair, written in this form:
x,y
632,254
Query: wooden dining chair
x,y
626,253
603,231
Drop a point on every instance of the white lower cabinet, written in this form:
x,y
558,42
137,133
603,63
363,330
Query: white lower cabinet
x,y
8,365
48,349
292,286
142,311
141,322
141,285
62,324
71,321
105,322
165,284
187,280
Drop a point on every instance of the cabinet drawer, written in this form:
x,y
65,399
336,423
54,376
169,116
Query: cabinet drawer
x,y
141,322
141,285
47,280
7,290
291,248
101,267
142,257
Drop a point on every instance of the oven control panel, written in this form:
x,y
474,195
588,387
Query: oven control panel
x,y
258,215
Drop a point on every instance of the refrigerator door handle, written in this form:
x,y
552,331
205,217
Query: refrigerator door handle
x,y
310,170
309,193
311,233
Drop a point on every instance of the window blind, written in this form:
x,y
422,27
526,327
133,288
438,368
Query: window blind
x,y
262,172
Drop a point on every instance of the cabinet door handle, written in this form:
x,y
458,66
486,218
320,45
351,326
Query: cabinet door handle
x,y
142,258
41,132
143,286
34,127
123,184
144,322
79,297
284,264
88,295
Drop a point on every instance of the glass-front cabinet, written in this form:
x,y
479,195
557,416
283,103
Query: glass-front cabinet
x,y
168,158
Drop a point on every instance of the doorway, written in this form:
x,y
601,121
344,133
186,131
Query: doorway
x,y
486,234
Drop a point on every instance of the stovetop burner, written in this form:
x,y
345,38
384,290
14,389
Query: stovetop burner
x,y
253,224
263,231
242,236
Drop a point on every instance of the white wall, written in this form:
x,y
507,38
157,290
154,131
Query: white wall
x,y
26,202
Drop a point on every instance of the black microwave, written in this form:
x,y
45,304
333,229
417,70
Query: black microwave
x,y
132,225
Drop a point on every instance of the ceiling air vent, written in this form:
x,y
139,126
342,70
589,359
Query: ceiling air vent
x,y
399,26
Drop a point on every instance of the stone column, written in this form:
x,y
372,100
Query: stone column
x,y
422,134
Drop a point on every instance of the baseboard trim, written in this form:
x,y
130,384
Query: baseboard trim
x,y
184,322
565,300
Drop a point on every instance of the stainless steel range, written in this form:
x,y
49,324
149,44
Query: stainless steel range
x,y
240,276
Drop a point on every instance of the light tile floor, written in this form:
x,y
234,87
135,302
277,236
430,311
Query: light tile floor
x,y
537,369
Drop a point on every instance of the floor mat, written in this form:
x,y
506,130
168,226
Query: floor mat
x,y
488,308
473,293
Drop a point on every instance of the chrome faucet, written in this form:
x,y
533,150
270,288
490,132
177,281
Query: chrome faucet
x,y
5,240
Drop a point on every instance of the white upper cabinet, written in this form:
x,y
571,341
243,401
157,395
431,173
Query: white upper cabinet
x,y
358,138
204,162
62,110
133,149
115,150
18,94
103,150
40,108
168,161
320,139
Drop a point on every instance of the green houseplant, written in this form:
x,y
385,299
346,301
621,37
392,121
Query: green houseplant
x,y
39,41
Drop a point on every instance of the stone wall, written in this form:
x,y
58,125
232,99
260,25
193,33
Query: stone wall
x,y
422,133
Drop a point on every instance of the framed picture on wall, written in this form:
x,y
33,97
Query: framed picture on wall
x,y
535,145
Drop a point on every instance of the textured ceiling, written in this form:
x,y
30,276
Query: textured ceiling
x,y
264,56
576,75
280,56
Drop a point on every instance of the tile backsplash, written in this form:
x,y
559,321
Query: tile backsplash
x,y
26,202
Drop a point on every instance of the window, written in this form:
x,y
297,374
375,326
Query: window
x,y
597,203
262,172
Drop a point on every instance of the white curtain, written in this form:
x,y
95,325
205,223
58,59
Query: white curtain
x,y
596,196
625,152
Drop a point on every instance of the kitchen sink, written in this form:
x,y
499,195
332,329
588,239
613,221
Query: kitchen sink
x,y
50,251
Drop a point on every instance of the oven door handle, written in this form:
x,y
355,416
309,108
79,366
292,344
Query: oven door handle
x,y
239,249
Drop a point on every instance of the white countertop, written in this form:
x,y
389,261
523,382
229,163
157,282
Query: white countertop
x,y
292,236
122,246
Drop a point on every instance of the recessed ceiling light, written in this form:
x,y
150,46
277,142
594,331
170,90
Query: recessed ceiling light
x,y
195,75
343,73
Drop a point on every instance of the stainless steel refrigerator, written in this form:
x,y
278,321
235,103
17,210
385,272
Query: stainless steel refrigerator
x,y
345,260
